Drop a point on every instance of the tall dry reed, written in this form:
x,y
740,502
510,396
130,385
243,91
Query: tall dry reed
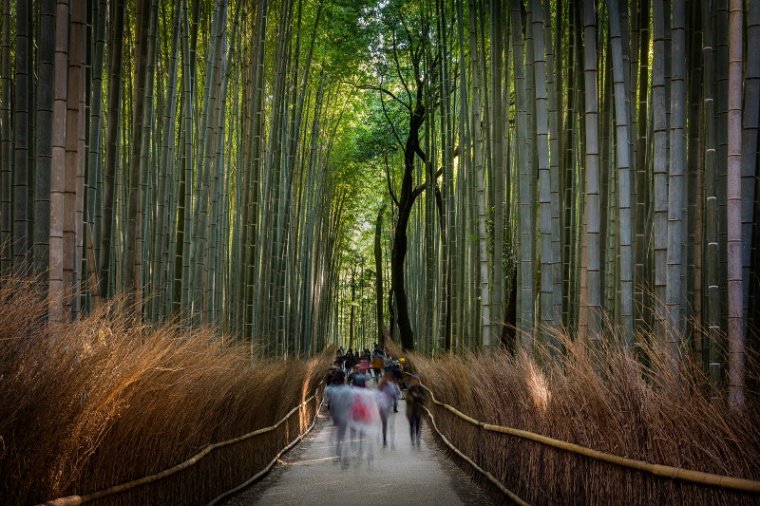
x,y
104,400
607,401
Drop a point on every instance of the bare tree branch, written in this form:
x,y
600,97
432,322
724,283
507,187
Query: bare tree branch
x,y
398,70
390,184
387,92
421,154
409,37
421,188
441,213
390,122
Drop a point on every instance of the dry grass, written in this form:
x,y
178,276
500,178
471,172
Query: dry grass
x,y
102,401
610,403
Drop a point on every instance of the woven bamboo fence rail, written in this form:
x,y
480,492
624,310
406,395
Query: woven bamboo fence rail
x,y
676,473
75,500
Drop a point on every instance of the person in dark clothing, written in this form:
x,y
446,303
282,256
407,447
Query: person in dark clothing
x,y
398,374
335,377
338,377
340,358
357,378
415,399
350,360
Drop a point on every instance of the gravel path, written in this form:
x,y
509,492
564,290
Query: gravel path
x,y
399,474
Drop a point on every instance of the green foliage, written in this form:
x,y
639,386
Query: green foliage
x,y
377,138
344,40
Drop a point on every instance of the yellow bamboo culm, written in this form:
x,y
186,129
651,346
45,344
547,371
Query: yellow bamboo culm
x,y
75,500
677,473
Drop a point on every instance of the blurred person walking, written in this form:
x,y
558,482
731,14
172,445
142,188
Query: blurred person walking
x,y
415,400
363,415
340,400
388,393
357,378
377,364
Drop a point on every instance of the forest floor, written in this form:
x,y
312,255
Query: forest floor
x,y
400,474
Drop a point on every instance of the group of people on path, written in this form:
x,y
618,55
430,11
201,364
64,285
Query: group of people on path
x,y
372,363
358,409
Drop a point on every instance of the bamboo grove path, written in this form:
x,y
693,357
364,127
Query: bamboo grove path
x,y
399,474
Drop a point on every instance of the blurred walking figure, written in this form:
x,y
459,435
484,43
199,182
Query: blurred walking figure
x,y
377,364
395,370
349,360
340,398
364,366
335,377
363,414
357,378
415,399
388,393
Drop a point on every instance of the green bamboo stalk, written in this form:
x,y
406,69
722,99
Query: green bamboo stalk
x,y
23,127
591,322
675,295
736,324
525,323
56,288
44,135
659,165
6,142
623,162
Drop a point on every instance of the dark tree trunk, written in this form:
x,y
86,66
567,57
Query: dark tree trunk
x,y
405,202
352,318
379,276
398,255
391,316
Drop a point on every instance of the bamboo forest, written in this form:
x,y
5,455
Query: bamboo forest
x,y
541,215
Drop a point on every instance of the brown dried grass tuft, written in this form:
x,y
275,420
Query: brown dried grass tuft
x,y
102,401
607,401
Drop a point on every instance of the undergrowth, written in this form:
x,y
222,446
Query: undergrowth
x,y
104,400
607,401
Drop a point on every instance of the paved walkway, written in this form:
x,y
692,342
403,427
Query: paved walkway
x,y
399,474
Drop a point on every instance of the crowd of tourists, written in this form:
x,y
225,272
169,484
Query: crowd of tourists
x,y
363,391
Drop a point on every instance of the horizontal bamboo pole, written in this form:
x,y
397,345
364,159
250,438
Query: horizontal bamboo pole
x,y
253,479
75,500
515,498
677,473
